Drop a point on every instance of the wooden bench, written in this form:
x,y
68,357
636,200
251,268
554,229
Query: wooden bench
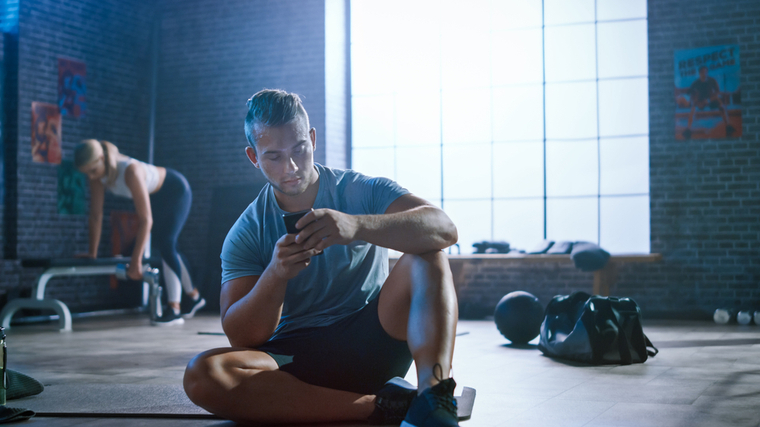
x,y
604,279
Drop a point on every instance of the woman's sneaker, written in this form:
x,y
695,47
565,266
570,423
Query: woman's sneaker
x,y
392,402
168,318
189,306
434,407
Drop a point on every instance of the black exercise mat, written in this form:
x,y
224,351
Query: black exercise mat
x,y
122,399
465,402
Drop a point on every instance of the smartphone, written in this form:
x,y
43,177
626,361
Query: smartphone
x,y
290,222
291,219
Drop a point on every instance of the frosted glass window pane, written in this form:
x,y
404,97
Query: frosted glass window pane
x,y
463,16
519,222
623,49
466,116
625,224
571,110
518,169
515,14
625,165
624,107
374,16
518,113
572,219
620,9
572,168
570,53
374,161
372,121
473,221
568,11
516,57
465,60
372,69
418,118
467,171
418,47
418,169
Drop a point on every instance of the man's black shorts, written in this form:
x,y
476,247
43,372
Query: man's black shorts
x,y
354,354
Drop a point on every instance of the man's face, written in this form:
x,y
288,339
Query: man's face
x,y
703,74
285,155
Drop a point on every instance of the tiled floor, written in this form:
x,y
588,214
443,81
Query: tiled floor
x,y
705,374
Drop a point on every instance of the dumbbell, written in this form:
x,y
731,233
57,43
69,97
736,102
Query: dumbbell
x,y
151,277
723,316
744,317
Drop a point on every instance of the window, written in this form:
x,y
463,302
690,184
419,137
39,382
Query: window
x,y
524,120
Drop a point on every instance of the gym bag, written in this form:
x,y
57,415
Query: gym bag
x,y
594,329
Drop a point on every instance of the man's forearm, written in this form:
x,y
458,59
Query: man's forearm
x,y
418,230
252,319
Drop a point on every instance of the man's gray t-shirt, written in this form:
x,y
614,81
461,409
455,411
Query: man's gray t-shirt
x,y
335,284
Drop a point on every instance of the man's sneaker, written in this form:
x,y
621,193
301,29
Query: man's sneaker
x,y
434,407
168,318
189,306
392,402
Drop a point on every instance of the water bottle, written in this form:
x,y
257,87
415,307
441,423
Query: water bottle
x,y
744,317
723,316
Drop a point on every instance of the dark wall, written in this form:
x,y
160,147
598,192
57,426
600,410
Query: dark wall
x,y
112,38
705,194
214,56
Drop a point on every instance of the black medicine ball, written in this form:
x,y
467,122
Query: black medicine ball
x,y
518,316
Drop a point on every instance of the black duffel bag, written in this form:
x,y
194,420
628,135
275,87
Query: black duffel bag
x,y
594,329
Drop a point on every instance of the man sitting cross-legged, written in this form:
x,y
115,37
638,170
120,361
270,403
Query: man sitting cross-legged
x,y
317,324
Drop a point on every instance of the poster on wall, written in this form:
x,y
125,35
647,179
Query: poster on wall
x,y
71,87
71,189
708,93
46,133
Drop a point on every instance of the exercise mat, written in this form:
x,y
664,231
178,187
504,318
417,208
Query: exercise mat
x,y
110,400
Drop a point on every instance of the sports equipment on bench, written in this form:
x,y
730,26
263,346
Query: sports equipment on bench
x,y
77,267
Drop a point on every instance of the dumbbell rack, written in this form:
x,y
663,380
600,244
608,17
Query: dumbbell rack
x,y
69,267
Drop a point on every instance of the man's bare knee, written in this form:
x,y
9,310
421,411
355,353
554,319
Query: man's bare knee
x,y
198,377
430,264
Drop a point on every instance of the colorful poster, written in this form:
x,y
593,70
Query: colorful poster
x,y
46,133
71,189
708,94
71,87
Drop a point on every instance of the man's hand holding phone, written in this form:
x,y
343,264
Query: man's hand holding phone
x,y
290,222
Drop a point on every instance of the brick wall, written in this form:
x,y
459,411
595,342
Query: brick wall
x,y
214,56
112,38
705,194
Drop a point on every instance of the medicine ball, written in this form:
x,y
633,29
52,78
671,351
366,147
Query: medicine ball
x,y
518,316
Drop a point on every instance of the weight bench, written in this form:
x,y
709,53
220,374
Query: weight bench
x,y
77,267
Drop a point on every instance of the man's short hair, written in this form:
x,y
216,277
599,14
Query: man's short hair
x,y
702,67
272,107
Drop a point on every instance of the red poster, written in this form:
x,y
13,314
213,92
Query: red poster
x,y
46,133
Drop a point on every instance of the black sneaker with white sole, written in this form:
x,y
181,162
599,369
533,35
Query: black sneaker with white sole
x,y
392,402
189,306
435,406
168,318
